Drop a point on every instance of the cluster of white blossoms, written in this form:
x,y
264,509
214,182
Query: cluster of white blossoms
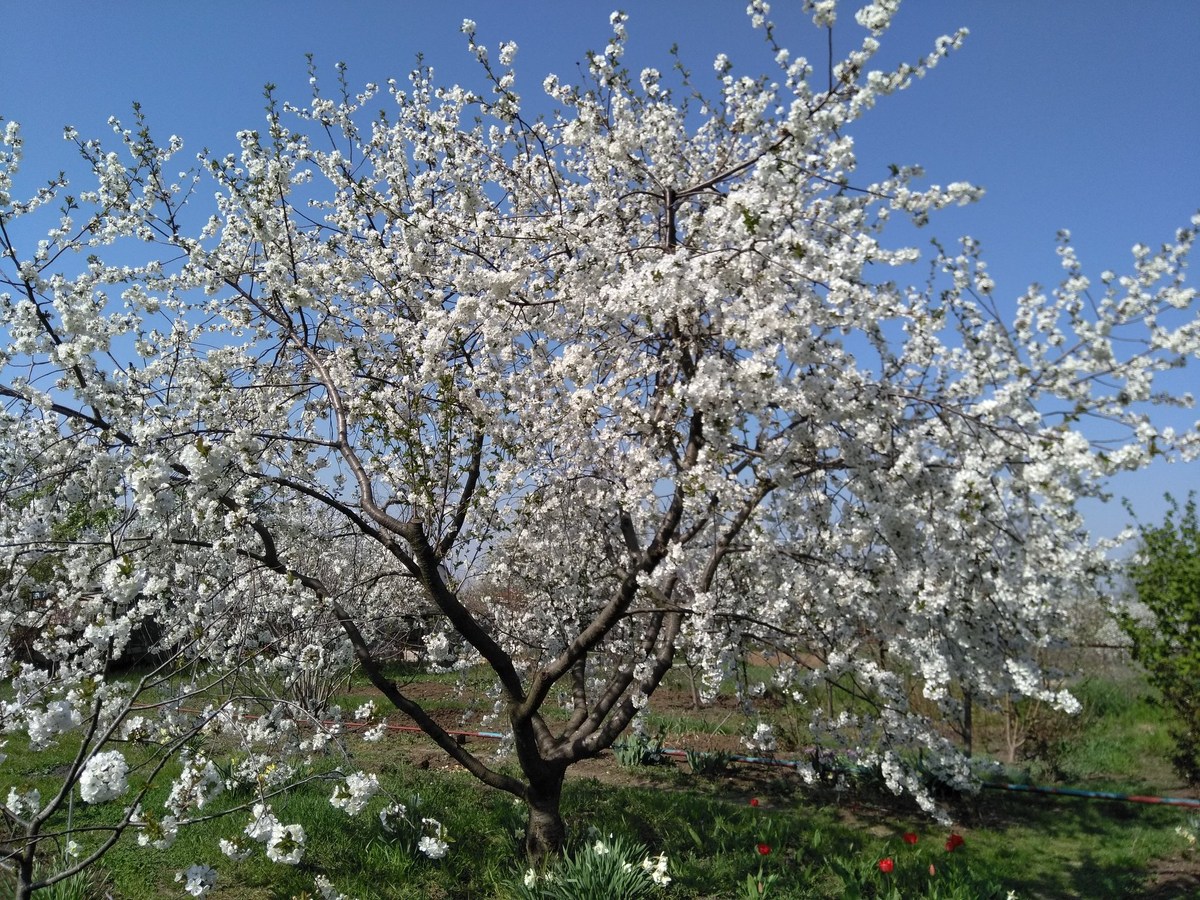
x,y
236,849
59,716
327,890
375,733
104,777
262,823
435,842
393,817
198,880
260,770
27,802
433,847
286,844
356,793
762,740
428,834
197,784
154,831
364,715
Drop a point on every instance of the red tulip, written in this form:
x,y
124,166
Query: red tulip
x,y
954,843
754,801
909,837
764,849
886,865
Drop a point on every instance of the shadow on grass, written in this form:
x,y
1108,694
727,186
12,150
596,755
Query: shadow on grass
x,y
1045,847
1074,847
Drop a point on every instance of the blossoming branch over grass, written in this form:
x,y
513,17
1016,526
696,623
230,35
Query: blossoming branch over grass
x,y
806,841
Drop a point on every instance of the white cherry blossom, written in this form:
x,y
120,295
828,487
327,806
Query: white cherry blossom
x,y
569,398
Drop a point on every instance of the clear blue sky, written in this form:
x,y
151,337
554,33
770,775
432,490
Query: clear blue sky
x,y
1079,114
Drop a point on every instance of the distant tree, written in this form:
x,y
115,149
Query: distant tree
x,y
1165,577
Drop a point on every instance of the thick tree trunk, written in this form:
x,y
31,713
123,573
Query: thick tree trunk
x,y
545,833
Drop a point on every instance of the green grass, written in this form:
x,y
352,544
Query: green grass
x,y
1125,741
1041,847
1068,847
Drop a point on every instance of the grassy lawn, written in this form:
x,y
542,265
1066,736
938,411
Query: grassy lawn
x,y
822,843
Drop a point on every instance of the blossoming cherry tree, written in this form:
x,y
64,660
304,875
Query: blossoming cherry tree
x,y
593,387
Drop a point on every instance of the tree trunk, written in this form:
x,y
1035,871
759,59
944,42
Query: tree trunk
x,y
24,888
545,833
693,681
968,729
